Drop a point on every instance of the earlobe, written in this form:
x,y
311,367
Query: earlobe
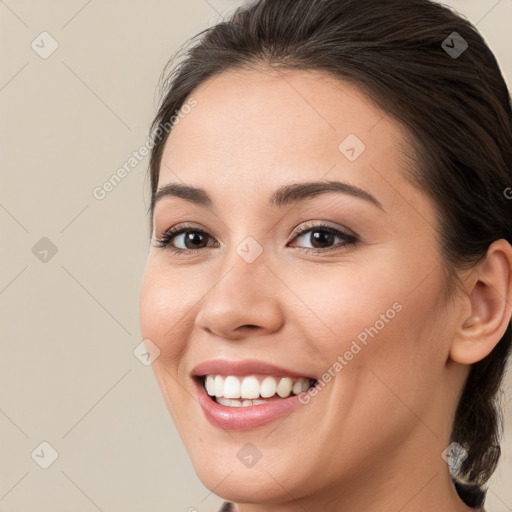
x,y
487,306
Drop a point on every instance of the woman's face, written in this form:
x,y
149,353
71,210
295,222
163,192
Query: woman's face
x,y
261,281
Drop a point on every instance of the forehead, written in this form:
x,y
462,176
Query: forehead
x,y
256,130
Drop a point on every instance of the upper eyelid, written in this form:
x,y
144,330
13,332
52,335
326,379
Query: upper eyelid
x,y
304,226
318,224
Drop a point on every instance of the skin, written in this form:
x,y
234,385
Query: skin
x,y
372,438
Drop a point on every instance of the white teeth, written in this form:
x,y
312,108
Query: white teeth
x,y
284,387
210,386
268,387
297,387
219,385
228,402
250,388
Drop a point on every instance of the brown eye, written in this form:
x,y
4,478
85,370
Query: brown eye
x,y
321,238
193,239
188,237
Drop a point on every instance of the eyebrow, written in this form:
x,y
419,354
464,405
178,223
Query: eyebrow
x,y
283,196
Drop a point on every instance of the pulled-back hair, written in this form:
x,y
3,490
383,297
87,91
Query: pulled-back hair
x,y
456,107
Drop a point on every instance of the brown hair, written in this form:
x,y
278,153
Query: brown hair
x,y
454,102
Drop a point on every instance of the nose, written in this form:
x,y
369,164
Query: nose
x,y
245,298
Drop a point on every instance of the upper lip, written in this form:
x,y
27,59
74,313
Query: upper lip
x,y
242,368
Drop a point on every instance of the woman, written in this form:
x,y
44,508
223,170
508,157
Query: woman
x,y
329,281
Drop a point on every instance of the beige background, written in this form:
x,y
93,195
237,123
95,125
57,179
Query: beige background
x,y
69,325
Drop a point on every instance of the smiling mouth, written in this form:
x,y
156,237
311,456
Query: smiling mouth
x,y
237,391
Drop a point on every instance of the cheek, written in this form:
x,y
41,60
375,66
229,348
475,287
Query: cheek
x,y
377,314
163,320
379,338
163,311
342,303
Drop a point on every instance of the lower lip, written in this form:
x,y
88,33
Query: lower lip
x,y
244,418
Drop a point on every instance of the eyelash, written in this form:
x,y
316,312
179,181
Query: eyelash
x,y
165,240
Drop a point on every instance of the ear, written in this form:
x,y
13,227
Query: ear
x,y
487,308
